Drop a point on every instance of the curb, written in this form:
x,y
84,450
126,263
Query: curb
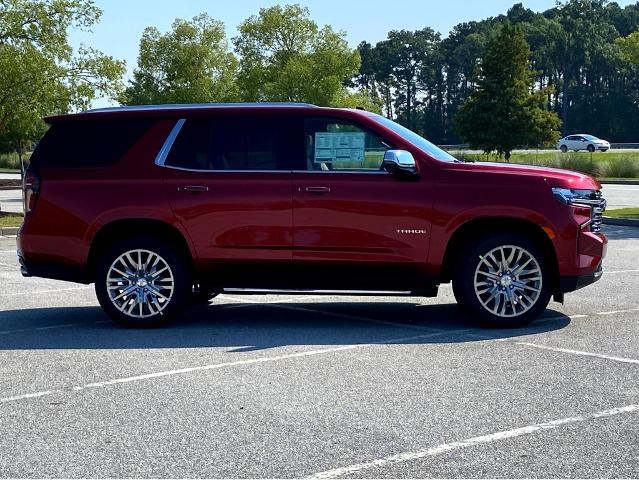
x,y
621,222
8,231
619,182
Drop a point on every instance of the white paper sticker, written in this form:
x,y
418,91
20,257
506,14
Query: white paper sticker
x,y
339,147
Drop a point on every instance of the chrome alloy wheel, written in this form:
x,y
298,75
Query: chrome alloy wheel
x,y
508,281
140,283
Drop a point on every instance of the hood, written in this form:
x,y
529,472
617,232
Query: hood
x,y
554,177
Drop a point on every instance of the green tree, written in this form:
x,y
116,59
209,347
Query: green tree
x,y
285,56
503,112
630,48
190,64
40,74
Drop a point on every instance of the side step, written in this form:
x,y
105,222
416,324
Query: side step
x,y
426,292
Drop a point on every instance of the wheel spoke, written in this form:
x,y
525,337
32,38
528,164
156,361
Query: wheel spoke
x,y
508,280
140,283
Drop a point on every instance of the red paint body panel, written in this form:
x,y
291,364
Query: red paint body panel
x,y
370,218
244,216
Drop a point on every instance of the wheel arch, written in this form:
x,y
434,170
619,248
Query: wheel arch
x,y
470,231
126,228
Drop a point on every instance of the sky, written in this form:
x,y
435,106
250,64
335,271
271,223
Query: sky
x,y
120,28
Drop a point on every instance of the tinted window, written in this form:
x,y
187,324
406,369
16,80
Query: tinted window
x,y
88,143
335,144
261,143
417,140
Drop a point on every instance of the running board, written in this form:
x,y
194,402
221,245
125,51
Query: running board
x,y
427,292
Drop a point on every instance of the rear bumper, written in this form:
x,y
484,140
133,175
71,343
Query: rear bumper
x,y
571,283
55,272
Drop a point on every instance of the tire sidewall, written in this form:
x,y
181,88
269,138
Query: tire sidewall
x,y
463,282
181,278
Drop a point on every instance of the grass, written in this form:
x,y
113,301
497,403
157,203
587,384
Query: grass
x,y
619,165
10,220
11,160
623,213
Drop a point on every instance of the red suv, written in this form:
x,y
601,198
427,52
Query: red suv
x,y
154,204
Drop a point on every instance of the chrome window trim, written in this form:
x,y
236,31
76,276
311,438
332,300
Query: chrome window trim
x,y
375,172
224,171
350,172
160,159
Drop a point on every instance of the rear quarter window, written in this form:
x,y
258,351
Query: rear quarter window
x,y
88,143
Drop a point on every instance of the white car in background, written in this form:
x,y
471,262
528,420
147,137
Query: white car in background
x,y
583,142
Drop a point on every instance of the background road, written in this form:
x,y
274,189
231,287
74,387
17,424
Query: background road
x,y
301,386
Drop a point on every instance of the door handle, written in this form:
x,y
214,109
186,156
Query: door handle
x,y
193,189
315,190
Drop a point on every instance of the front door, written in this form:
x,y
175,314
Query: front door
x,y
228,180
353,221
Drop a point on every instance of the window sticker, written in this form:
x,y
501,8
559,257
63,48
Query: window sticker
x,y
334,147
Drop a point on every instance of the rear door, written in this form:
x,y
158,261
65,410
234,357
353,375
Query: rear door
x,y
228,180
351,218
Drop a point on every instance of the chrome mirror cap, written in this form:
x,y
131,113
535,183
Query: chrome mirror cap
x,y
399,161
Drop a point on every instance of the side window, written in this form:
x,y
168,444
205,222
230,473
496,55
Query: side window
x,y
252,143
88,143
339,145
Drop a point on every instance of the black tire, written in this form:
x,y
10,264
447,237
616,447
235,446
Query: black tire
x,y
468,266
591,148
563,148
165,310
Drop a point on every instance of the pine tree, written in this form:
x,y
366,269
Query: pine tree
x,y
504,112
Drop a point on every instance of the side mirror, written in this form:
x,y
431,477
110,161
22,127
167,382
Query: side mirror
x,y
399,162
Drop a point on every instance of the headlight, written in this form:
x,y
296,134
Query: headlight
x,y
588,200
585,197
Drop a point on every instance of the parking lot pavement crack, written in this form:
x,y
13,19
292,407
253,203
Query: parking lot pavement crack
x,y
470,442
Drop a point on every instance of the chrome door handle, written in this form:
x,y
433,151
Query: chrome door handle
x,y
316,190
193,189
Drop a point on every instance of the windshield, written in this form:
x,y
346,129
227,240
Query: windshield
x,y
420,142
590,137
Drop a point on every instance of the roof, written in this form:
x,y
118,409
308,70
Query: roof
x,y
173,110
182,106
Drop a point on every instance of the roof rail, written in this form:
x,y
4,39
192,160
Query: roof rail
x,y
200,105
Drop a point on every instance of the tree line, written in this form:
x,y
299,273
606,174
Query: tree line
x,y
572,67
584,55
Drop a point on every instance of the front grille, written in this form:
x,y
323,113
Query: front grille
x,y
598,207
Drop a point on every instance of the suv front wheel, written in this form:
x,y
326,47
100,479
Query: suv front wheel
x,y
142,283
504,279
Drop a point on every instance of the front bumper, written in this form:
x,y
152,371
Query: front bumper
x,y
570,283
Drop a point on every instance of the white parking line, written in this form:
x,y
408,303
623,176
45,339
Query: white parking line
x,y
613,312
216,366
470,442
579,352
86,287
620,271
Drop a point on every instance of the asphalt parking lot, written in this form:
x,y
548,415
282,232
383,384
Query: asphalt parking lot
x,y
324,387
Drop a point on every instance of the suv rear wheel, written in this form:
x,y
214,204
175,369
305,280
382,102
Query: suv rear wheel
x,y
142,283
504,279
